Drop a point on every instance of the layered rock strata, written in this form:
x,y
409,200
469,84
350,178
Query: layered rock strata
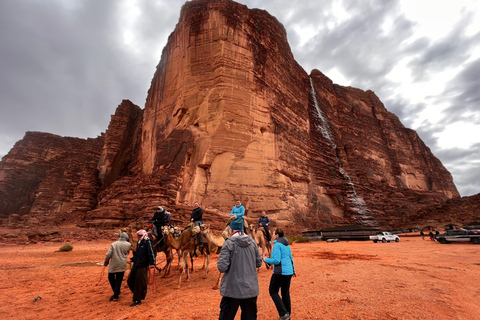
x,y
231,115
50,179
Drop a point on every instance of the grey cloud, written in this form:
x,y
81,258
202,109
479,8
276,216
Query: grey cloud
x,y
464,166
451,50
465,92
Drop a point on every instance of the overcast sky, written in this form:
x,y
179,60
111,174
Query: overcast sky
x,y
65,65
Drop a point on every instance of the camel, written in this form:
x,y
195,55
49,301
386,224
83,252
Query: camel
x,y
129,231
185,243
215,241
261,241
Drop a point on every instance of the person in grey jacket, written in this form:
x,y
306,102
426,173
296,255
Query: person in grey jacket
x,y
116,260
238,260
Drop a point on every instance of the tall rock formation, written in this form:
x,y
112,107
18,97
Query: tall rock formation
x,y
231,115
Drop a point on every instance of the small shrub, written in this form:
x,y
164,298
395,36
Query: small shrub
x,y
298,239
66,247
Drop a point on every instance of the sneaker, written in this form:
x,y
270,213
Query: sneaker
x,y
286,316
135,303
111,298
114,299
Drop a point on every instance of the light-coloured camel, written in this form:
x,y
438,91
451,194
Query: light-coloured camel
x,y
214,241
261,240
185,243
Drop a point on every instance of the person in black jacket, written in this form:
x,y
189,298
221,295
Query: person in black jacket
x,y
143,258
197,219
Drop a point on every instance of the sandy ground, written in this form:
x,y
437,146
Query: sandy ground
x,y
412,279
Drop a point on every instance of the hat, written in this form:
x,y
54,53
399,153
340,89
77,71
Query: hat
x,y
167,212
160,208
124,236
236,225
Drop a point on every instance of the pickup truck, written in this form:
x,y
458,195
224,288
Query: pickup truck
x,y
472,236
384,237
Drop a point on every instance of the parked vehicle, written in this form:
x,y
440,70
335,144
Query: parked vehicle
x,y
472,236
384,237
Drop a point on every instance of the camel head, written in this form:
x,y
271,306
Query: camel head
x,y
204,228
195,230
165,230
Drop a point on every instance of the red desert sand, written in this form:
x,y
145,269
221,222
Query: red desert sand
x,y
412,279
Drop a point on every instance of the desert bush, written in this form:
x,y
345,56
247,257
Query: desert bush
x,y
66,247
297,238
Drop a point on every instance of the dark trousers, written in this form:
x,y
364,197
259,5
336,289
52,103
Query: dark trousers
x,y
199,236
281,282
137,282
267,233
115,280
229,307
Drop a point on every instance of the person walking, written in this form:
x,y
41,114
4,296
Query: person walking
x,y
239,260
283,270
264,222
197,219
143,258
116,260
237,213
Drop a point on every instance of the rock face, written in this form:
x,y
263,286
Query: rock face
x,y
231,115
50,179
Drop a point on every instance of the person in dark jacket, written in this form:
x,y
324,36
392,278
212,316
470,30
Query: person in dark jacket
x,y
238,260
283,270
264,222
159,220
143,258
197,219
116,260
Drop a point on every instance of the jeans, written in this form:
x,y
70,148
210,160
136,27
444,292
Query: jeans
x,y
281,282
229,308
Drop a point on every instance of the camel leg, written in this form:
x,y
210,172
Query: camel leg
x,y
179,254
184,265
191,261
217,285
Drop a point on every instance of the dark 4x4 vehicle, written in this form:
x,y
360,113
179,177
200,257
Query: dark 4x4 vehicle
x,y
459,236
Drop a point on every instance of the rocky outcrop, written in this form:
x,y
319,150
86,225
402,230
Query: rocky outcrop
x,y
120,140
231,115
458,211
46,178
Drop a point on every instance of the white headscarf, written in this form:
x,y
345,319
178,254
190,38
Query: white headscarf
x,y
143,234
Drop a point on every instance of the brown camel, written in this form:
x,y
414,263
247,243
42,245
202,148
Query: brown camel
x,y
261,241
185,243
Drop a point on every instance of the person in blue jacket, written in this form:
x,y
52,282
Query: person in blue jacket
x,y
283,270
238,211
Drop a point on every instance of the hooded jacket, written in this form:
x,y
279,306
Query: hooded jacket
x,y
281,257
117,255
239,259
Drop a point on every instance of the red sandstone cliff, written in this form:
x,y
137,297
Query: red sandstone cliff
x,y
48,179
231,115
